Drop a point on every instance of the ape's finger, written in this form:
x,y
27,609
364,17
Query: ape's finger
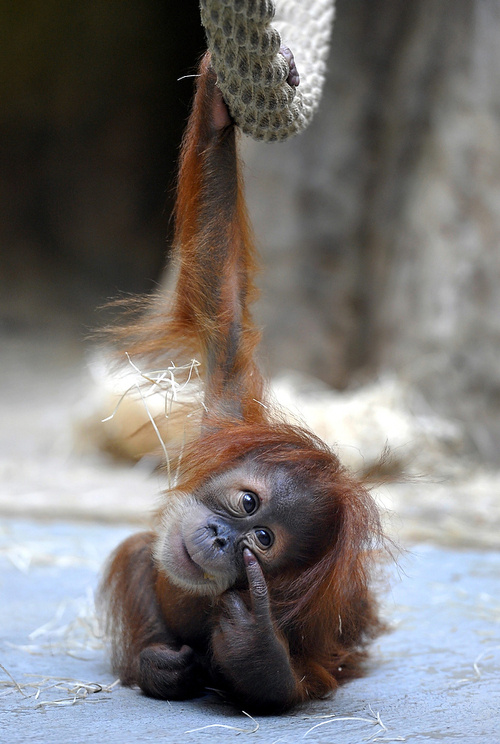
x,y
257,585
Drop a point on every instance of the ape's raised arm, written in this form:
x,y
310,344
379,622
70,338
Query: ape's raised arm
x,y
214,261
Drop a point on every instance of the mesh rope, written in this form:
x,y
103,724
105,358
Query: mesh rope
x,y
251,72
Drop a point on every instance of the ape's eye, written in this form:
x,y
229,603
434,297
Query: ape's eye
x,y
264,537
250,502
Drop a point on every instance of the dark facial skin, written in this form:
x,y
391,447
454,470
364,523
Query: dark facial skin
x,y
246,508
241,526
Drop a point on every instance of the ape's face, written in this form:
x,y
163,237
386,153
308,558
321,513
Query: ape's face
x,y
203,535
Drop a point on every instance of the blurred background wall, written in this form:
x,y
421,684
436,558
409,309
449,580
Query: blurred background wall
x,y
379,227
91,117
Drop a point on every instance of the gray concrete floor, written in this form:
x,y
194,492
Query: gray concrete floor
x,y
435,677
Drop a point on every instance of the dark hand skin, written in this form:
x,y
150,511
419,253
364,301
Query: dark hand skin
x,y
293,78
251,660
249,652
167,673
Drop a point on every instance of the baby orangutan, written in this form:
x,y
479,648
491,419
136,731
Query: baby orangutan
x,y
256,578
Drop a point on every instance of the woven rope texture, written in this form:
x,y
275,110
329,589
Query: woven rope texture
x,y
244,38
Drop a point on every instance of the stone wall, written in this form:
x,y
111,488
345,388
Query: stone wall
x,y
380,226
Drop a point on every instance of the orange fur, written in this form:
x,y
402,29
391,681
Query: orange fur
x,y
322,607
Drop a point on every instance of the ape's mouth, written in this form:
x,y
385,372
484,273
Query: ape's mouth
x,y
187,556
192,563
